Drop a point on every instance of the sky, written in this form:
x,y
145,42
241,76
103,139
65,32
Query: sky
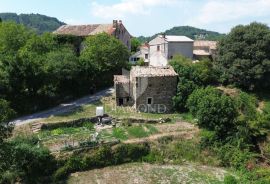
x,y
147,17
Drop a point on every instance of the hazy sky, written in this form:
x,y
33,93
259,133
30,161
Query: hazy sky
x,y
146,17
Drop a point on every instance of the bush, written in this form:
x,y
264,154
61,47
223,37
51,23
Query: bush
x,y
102,157
214,111
233,156
26,161
247,106
129,153
191,76
229,179
61,173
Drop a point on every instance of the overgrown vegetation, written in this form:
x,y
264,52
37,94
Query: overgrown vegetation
x,y
22,159
38,71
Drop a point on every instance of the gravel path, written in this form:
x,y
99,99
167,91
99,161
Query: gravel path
x,y
63,108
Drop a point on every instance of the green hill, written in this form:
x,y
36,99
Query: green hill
x,y
40,23
191,32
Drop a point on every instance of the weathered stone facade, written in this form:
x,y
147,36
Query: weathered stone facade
x,y
147,89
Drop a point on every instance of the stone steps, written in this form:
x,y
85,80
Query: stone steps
x,y
36,127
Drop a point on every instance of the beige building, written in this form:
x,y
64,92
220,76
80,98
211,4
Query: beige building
x,y
164,47
147,89
116,29
143,53
204,48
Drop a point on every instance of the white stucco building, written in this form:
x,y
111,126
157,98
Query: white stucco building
x,y
143,53
164,47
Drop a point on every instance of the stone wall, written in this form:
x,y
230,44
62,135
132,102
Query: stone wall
x,y
160,89
124,91
123,35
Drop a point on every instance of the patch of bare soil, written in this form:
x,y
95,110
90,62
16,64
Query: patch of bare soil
x,y
142,173
229,91
178,130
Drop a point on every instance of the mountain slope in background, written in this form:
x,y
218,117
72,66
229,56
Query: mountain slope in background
x,y
40,23
191,32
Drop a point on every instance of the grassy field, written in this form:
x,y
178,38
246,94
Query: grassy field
x,y
114,111
151,174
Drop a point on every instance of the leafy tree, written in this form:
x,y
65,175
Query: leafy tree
x,y
191,76
105,51
214,110
23,160
104,56
135,44
12,38
244,56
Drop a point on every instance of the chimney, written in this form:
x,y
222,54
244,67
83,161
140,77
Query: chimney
x,y
120,21
163,35
115,24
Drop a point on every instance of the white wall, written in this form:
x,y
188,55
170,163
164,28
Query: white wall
x,y
167,51
158,58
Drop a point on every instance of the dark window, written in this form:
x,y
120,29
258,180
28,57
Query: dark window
x,y
149,101
128,99
158,48
146,56
121,101
171,57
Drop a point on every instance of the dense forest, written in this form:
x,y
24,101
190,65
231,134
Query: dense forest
x,y
37,22
191,32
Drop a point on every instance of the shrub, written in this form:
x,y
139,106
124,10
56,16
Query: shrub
x,y
214,111
129,153
119,133
191,76
246,105
232,156
229,179
102,157
61,173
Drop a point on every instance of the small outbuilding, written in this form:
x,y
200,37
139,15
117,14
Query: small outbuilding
x,y
147,89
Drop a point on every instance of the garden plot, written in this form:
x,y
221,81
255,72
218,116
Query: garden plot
x,y
73,137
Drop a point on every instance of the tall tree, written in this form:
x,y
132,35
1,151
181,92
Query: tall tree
x,y
244,56
135,44
103,56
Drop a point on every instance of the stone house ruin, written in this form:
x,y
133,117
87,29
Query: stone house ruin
x,y
147,89
116,29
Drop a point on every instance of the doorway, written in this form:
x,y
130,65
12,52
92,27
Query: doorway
x,y
120,101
